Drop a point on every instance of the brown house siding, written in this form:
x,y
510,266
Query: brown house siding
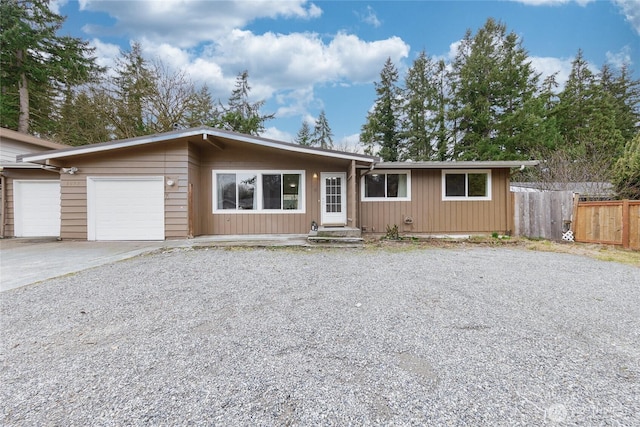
x,y
432,215
234,157
167,160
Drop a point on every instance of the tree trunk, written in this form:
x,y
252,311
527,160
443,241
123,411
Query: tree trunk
x,y
23,92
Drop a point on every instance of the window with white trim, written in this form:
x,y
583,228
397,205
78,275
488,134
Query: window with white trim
x,y
258,191
379,185
466,184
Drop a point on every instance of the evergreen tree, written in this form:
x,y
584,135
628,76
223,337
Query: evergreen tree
x,y
382,126
133,87
37,65
587,114
493,85
419,109
441,131
81,120
203,111
626,172
304,135
576,103
322,136
240,115
625,93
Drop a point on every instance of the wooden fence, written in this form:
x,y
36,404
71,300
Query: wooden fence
x,y
612,222
545,215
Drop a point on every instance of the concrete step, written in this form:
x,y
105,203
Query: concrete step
x,y
337,239
336,232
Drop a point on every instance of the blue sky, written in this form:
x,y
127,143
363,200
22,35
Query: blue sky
x,y
305,56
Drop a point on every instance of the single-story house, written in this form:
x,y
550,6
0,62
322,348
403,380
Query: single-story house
x,y
206,181
29,192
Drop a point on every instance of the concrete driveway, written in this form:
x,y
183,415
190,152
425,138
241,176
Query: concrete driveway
x,y
26,261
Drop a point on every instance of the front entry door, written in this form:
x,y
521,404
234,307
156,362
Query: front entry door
x,y
333,198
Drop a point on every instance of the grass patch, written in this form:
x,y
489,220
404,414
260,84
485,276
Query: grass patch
x,y
599,252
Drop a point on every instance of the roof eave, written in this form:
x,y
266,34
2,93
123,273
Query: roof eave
x,y
204,131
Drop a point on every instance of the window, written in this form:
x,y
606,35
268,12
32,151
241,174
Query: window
x,y
383,185
466,185
258,191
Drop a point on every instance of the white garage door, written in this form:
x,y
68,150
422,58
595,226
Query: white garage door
x,y
36,208
127,208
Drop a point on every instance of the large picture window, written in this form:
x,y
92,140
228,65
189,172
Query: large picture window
x,y
384,185
466,185
258,191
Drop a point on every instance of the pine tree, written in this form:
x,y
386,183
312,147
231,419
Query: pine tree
x,y
492,85
203,111
322,136
382,126
441,131
626,172
240,115
304,135
419,109
81,120
576,103
37,65
134,86
625,93
587,115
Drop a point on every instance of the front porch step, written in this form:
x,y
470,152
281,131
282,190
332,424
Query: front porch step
x,y
321,239
336,236
336,232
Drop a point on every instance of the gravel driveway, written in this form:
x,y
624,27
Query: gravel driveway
x,y
466,336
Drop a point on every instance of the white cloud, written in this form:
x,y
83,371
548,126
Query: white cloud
x,y
562,66
56,5
621,58
277,134
549,65
105,53
370,17
631,11
296,102
186,23
285,62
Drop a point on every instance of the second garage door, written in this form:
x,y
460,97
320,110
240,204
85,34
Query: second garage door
x,y
127,208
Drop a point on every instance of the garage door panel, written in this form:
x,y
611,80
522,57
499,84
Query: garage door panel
x,y
36,208
127,209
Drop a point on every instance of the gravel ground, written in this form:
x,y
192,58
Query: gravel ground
x,y
465,336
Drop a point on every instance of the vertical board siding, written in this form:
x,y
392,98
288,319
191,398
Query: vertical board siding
x,y
542,214
432,215
168,160
234,157
611,222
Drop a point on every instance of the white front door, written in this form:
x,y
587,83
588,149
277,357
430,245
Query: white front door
x,y
333,195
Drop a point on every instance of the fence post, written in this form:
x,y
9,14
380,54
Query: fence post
x,y
574,214
625,224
